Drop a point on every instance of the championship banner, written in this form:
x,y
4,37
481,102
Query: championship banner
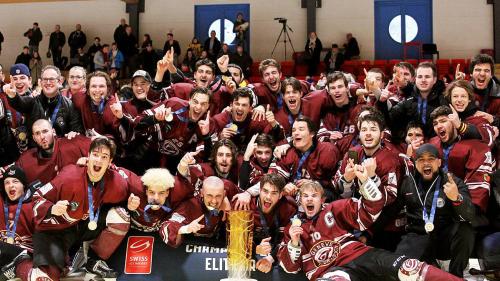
x,y
139,255
197,259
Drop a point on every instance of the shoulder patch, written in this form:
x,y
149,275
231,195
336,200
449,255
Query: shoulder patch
x,y
177,218
46,188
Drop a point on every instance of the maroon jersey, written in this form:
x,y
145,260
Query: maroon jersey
x,y
199,172
312,106
472,161
187,212
97,117
319,165
341,119
176,137
273,224
65,152
246,129
220,99
274,100
483,127
388,173
25,225
72,184
491,104
153,219
327,240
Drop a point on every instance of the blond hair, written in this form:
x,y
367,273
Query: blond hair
x,y
158,177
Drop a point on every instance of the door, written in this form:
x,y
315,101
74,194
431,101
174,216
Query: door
x,y
407,21
220,18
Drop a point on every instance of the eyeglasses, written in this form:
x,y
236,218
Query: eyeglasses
x,y
49,79
75,77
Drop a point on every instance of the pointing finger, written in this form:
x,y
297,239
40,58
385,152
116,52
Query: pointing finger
x,y
450,178
457,70
366,72
200,218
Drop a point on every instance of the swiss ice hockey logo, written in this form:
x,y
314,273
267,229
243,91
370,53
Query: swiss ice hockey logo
x,y
324,252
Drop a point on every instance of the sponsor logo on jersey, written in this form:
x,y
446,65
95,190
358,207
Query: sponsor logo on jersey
x,y
325,252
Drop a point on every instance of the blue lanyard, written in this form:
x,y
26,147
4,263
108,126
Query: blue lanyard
x,y
92,216
182,118
148,206
291,119
280,100
422,109
303,159
446,155
430,218
12,232
56,110
100,109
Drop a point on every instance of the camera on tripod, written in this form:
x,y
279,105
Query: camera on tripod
x,y
281,20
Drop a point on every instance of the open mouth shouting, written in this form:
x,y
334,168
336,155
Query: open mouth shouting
x,y
274,84
442,134
203,82
427,171
481,82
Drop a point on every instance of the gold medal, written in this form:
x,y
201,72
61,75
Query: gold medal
x,y
296,222
10,240
169,117
92,225
22,136
234,127
429,227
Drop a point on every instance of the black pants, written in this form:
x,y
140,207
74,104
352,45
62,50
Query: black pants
x,y
454,242
51,247
376,264
56,57
8,252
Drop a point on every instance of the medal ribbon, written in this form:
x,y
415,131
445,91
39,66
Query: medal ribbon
x,y
298,174
178,113
56,110
422,109
148,206
11,233
446,155
93,216
430,218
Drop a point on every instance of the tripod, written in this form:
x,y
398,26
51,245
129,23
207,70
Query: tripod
x,y
285,34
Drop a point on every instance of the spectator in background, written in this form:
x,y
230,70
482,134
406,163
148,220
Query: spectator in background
x,y
1,41
171,43
56,43
120,33
82,59
129,51
195,45
313,51
24,57
101,58
34,35
36,68
146,40
116,58
242,59
212,46
148,59
334,59
224,51
77,39
189,62
351,47
96,46
241,30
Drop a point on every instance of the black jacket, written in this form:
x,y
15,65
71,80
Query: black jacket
x,y
57,39
407,111
408,198
67,119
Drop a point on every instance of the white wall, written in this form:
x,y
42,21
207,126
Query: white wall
x,y
461,27
97,17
